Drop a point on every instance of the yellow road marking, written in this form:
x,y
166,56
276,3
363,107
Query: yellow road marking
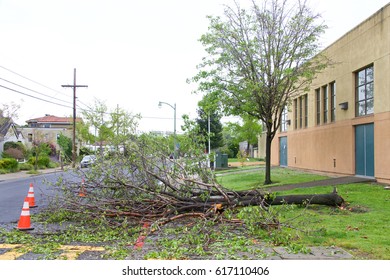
x,y
69,252
72,252
12,254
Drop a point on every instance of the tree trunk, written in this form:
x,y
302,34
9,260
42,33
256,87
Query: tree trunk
x,y
332,199
267,180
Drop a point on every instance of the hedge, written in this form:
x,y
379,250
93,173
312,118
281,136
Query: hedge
x,y
10,164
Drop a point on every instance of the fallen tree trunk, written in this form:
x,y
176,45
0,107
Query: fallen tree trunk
x,y
147,185
332,199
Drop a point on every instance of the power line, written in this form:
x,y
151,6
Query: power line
x,y
29,95
35,91
42,85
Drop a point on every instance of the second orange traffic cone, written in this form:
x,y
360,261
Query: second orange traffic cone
x,y
82,189
25,221
30,197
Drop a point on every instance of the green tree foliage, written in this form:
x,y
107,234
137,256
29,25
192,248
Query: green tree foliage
x,y
112,127
40,151
65,144
260,58
231,141
216,137
236,132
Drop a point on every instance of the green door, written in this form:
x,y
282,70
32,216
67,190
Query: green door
x,y
364,150
283,151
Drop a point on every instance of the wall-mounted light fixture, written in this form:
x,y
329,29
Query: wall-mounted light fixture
x,y
288,122
344,106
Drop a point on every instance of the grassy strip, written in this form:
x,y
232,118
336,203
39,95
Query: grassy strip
x,y
255,178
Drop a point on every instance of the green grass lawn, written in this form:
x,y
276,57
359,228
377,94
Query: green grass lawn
x,y
362,227
253,177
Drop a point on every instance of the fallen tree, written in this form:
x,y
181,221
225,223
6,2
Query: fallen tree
x,y
145,184
331,199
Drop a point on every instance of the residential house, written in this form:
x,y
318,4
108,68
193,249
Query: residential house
x,y
48,129
8,132
342,125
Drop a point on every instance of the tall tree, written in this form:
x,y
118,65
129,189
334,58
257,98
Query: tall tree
x,y
260,58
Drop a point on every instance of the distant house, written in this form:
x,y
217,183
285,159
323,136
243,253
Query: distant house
x,y
48,129
8,132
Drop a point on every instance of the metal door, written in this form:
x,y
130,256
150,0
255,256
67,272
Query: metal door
x,y
283,151
364,150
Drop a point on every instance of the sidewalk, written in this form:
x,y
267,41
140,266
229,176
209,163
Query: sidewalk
x,y
327,182
23,174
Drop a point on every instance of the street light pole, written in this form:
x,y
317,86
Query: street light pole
x,y
174,123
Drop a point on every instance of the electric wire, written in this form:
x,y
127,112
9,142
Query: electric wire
x,y
91,110
38,98
35,91
42,85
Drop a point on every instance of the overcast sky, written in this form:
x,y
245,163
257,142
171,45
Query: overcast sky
x,y
131,53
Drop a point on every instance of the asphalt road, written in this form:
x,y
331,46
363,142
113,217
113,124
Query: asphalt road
x,y
13,192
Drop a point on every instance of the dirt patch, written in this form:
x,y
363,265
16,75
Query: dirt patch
x,y
246,163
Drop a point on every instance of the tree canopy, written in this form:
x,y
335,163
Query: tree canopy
x,y
259,59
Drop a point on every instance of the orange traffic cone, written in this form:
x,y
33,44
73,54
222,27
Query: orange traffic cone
x,y
30,197
141,239
24,221
82,189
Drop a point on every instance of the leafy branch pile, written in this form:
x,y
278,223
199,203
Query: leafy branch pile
x,y
143,184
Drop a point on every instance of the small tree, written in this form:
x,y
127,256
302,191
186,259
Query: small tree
x,y
65,144
259,59
39,149
115,127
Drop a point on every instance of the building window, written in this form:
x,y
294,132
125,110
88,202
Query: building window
x,y
333,102
295,114
283,125
300,111
318,106
365,91
325,103
306,109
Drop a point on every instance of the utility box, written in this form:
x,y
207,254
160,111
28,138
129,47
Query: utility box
x,y
221,160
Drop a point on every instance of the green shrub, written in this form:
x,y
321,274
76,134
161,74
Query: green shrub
x,y
26,166
43,161
10,164
53,164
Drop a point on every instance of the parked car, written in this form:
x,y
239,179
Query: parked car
x,y
87,161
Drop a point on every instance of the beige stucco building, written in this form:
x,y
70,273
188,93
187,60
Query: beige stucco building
x,y
47,129
342,125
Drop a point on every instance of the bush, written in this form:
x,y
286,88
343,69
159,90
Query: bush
x,y
18,146
10,164
43,161
53,164
13,153
26,166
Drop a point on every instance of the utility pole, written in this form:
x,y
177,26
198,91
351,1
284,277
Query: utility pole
x,y
74,86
